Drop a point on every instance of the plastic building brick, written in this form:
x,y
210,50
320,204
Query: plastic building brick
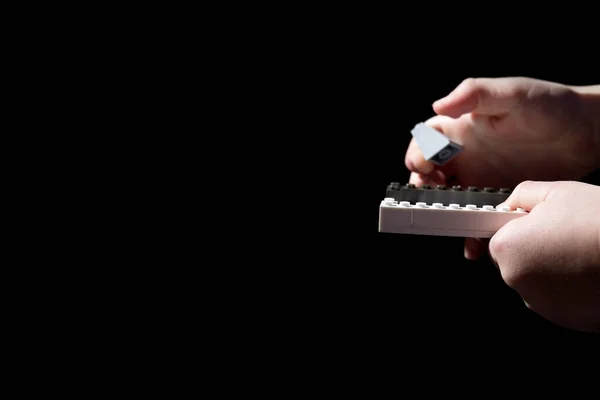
x,y
447,195
439,220
436,146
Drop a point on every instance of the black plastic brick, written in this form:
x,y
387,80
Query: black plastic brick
x,y
486,196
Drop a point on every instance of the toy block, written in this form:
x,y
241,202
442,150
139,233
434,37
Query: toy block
x,y
439,220
447,195
435,146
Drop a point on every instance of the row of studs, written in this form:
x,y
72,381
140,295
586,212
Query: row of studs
x,y
396,186
390,201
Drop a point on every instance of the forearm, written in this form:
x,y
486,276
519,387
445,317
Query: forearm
x,y
590,96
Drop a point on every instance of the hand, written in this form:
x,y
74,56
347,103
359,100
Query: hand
x,y
512,129
551,257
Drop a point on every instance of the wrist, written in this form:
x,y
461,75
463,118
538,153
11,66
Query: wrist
x,y
590,100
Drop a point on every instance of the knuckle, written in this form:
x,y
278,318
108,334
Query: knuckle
x,y
511,277
471,85
408,163
470,81
476,87
523,187
502,248
501,242
411,157
496,246
414,158
523,184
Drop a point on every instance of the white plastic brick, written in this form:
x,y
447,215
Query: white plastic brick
x,y
439,220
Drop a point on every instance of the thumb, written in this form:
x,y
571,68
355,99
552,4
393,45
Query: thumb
x,y
528,194
485,96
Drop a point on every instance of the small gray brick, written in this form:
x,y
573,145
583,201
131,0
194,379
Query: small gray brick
x,y
435,146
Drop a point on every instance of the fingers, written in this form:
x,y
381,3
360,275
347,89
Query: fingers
x,y
528,194
434,178
414,160
486,96
475,248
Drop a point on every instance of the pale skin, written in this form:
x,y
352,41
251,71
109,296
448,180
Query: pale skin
x,y
539,137
551,256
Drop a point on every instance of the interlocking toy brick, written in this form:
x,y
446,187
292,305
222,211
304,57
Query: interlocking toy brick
x,y
440,220
443,211
435,146
447,195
